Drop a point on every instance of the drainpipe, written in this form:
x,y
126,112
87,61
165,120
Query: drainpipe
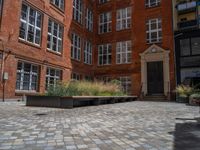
x,y
2,71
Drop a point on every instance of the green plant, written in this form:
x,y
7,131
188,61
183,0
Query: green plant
x,y
85,88
184,91
195,96
60,89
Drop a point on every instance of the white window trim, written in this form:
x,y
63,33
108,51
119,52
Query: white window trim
x,y
34,26
107,54
76,47
121,19
88,53
106,24
120,51
157,30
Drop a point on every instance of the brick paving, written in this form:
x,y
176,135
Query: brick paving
x,y
125,126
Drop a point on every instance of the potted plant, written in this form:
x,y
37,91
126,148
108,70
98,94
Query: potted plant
x,y
184,93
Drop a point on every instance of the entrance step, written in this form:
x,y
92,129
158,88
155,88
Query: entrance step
x,y
155,98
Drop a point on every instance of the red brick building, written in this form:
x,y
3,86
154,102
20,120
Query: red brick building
x,y
45,41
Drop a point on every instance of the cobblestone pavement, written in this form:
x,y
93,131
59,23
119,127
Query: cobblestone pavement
x,y
124,126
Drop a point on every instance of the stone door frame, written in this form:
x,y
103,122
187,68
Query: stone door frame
x,y
152,54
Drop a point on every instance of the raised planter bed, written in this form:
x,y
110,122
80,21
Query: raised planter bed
x,y
75,101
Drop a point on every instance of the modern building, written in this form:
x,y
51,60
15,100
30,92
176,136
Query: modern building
x,y
187,38
129,40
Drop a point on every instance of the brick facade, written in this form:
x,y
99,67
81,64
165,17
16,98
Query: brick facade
x,y
16,49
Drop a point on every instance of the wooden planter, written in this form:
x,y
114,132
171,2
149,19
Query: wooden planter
x,y
75,101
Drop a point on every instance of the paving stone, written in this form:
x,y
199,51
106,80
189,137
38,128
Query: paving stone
x,y
123,126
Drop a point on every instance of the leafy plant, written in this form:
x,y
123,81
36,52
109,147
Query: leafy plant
x,y
184,91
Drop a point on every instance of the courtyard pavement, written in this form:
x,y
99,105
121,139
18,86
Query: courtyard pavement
x,y
124,126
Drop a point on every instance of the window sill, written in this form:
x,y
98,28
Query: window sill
x,y
151,7
29,43
58,10
53,52
25,92
75,60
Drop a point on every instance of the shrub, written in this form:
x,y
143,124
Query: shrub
x,y
184,91
59,89
195,96
86,88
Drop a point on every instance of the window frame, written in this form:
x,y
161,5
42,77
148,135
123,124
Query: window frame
x,y
157,30
59,8
28,24
105,24
52,36
88,52
76,49
22,73
120,19
120,51
102,54
55,77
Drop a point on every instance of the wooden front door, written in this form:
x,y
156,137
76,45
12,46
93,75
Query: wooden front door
x,y
155,78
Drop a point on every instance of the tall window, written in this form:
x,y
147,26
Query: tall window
x,y
154,30
77,10
31,22
88,53
124,52
76,47
190,46
103,1
59,4
104,54
152,3
27,76
89,20
123,19
52,77
126,84
55,36
105,22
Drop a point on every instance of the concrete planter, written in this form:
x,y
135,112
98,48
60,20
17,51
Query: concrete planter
x,y
76,101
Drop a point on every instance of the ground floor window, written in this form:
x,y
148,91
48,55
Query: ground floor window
x,y
27,76
126,84
189,72
76,76
53,76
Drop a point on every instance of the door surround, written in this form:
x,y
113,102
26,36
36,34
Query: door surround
x,y
152,54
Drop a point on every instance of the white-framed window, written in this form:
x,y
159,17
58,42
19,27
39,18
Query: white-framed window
x,y
126,84
77,10
53,76
31,23
89,20
103,1
59,4
55,36
152,3
105,22
154,30
88,53
123,18
76,47
75,76
124,52
104,54
27,77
